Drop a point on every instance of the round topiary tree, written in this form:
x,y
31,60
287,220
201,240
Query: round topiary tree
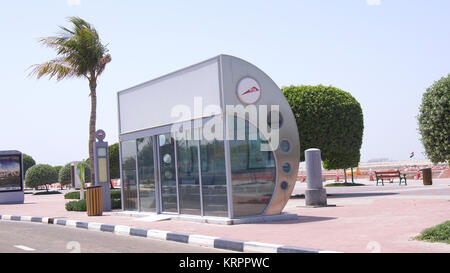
x,y
328,119
41,175
64,175
434,120
28,162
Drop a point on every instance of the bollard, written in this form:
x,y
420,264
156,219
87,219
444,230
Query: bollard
x,y
315,194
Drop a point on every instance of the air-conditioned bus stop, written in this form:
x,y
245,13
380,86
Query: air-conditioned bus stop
x,y
171,165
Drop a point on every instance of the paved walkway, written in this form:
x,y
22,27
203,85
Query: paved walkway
x,y
362,219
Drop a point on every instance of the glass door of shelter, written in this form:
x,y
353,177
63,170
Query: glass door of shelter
x,y
168,173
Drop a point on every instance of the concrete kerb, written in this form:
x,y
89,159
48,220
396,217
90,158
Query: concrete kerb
x,y
199,240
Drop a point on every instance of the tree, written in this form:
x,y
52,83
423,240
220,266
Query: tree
x,y
434,120
114,165
28,162
80,54
64,175
41,175
329,119
57,168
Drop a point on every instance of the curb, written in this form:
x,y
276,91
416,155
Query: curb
x,y
198,240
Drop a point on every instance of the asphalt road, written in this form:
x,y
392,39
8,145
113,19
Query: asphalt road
x,y
20,237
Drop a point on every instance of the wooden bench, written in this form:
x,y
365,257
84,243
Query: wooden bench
x,y
389,176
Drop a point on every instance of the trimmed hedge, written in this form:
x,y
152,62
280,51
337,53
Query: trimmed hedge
x,y
79,205
329,119
115,194
73,195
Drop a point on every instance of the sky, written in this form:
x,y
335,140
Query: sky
x,y
384,52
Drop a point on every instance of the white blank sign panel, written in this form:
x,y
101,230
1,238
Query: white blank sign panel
x,y
150,104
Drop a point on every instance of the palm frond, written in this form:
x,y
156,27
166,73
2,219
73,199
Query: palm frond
x,y
80,52
54,68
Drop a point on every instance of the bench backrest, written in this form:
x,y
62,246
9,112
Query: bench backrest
x,y
387,173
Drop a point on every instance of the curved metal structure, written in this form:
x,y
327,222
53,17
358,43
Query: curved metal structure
x,y
233,71
225,177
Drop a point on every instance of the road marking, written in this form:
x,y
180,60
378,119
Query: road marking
x,y
25,248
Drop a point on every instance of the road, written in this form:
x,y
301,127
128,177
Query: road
x,y
20,237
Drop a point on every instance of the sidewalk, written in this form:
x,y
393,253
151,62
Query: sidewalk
x,y
364,219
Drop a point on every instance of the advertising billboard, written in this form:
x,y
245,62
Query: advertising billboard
x,y
10,173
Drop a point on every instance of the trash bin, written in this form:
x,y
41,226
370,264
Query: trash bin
x,y
94,202
426,176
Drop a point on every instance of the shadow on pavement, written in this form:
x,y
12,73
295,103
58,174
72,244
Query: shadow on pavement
x,y
364,194
300,219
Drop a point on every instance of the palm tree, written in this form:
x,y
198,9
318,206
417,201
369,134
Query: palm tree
x,y
80,53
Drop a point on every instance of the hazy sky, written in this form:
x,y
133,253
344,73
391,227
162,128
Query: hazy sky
x,y
384,52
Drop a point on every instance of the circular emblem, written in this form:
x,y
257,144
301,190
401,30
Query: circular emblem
x,y
248,91
100,135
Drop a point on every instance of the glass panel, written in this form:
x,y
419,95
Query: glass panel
x,y
214,182
128,149
188,177
167,173
146,171
253,173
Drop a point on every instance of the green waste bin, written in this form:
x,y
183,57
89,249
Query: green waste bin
x,y
426,176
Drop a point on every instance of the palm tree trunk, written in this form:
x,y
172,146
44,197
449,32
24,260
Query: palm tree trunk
x,y
93,87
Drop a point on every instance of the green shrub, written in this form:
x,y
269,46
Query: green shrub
x,y
115,194
328,119
73,195
439,233
81,204
76,205
434,120
116,204
40,175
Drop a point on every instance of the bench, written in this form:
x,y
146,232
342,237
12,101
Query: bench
x,y
389,176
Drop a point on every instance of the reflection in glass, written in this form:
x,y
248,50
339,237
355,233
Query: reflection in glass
x,y
188,177
253,173
168,175
214,182
146,174
129,187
